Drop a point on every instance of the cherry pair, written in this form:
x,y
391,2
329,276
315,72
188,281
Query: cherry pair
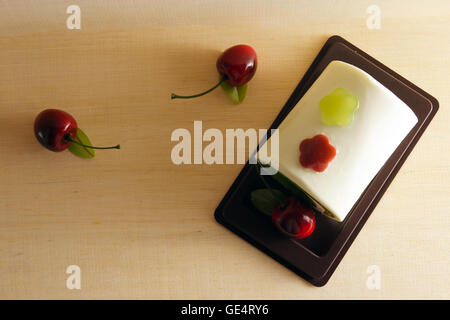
x,y
57,130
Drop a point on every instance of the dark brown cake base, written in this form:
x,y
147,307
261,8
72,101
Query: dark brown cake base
x,y
316,257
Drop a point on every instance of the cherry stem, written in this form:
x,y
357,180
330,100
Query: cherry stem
x,y
175,96
282,203
69,138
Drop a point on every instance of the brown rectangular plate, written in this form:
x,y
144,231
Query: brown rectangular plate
x,y
316,257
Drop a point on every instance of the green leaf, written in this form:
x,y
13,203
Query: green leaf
x,y
299,193
81,151
242,91
265,201
292,187
230,91
236,94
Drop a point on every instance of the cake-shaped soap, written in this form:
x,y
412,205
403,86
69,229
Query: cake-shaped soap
x,y
348,125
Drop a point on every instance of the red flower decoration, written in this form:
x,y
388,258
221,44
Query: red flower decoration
x,y
316,153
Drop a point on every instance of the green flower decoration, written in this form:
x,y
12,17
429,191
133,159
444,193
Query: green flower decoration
x,y
338,108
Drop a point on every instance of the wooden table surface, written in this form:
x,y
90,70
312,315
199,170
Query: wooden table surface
x,y
139,226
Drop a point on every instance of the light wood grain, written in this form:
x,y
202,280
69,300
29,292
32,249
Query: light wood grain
x,y
140,226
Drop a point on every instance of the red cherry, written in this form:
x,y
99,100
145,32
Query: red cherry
x,y
57,130
238,64
51,126
294,219
316,153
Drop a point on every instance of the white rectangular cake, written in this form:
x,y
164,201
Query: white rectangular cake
x,y
378,125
